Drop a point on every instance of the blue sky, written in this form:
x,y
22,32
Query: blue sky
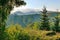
x,y
51,5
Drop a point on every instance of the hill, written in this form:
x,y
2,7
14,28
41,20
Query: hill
x,y
26,17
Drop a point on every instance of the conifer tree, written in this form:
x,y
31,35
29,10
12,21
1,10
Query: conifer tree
x,y
45,20
56,23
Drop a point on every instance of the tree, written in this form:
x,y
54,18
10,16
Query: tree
x,y
45,20
56,23
5,7
34,25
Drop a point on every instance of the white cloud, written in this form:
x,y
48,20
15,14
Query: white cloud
x,y
23,8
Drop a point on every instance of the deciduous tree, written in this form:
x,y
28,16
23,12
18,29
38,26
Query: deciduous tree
x,y
5,7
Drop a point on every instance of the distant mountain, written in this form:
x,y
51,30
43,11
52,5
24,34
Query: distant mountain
x,y
25,18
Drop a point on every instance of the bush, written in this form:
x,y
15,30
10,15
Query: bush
x,y
51,34
16,32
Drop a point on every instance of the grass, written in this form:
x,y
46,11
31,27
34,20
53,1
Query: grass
x,y
30,34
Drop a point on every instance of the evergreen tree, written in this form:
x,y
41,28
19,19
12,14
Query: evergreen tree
x,y
56,23
45,20
5,7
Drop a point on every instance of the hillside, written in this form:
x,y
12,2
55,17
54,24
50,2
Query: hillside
x,y
17,32
27,17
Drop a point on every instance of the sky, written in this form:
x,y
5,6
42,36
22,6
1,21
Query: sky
x,y
51,5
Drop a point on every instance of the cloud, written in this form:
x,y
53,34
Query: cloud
x,y
21,8
26,8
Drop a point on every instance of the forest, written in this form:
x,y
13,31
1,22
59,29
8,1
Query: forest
x,y
43,30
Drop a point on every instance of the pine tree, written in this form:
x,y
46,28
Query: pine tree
x,y
45,20
56,23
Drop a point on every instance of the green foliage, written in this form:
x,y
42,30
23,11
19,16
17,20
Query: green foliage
x,y
16,32
56,24
12,2
34,25
2,2
5,7
45,20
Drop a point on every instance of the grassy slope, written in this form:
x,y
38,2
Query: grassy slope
x,y
32,33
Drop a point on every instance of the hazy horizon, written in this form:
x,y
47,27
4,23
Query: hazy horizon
x,y
51,5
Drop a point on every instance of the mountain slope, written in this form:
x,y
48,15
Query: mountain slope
x,y
25,18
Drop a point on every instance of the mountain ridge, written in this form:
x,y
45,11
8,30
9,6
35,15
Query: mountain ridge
x,y
25,18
